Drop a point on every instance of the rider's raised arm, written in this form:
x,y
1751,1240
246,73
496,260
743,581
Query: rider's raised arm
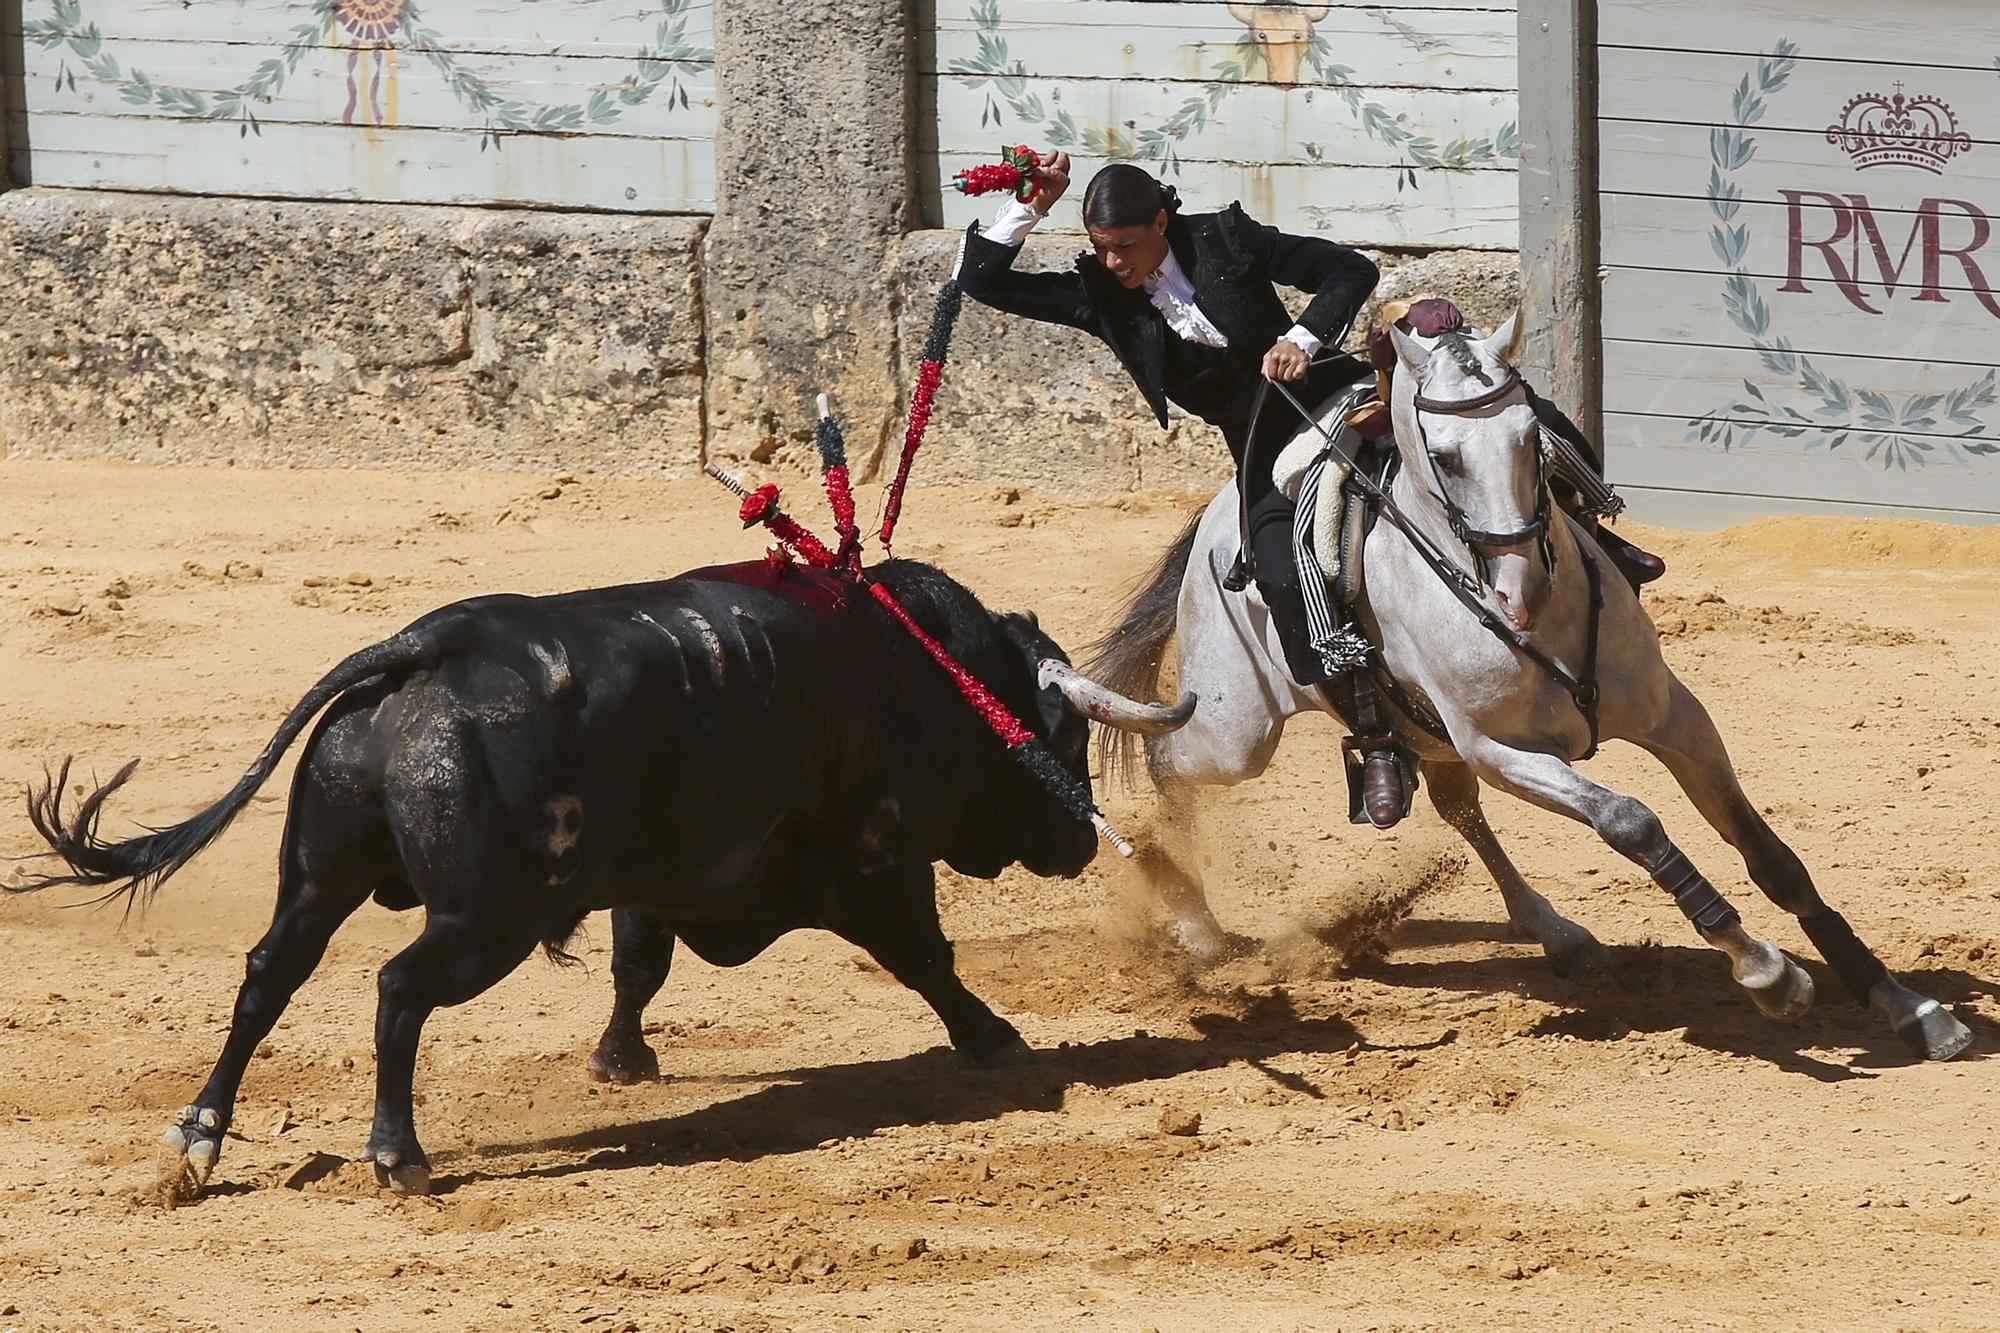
x,y
986,273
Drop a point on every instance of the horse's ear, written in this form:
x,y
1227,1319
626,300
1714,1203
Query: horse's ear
x,y
1413,354
1507,339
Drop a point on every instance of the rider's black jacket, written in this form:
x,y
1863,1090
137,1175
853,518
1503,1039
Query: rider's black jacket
x,y
1233,263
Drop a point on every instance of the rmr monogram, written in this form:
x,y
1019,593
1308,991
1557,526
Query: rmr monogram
x,y
1889,131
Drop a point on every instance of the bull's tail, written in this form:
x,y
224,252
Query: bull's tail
x,y
1128,658
138,866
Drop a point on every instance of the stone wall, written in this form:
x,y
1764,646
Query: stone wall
x,y
225,331
154,328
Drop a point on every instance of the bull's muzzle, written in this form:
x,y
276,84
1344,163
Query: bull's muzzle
x,y
1101,703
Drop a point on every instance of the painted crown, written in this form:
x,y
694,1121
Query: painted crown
x,y
1897,130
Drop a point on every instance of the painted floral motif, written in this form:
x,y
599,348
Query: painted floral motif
x,y
1899,434
370,20
376,31
1006,80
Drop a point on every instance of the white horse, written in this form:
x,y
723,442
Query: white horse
x,y
1472,471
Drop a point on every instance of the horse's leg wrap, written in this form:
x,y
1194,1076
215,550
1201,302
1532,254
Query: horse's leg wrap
x,y
1693,894
1852,961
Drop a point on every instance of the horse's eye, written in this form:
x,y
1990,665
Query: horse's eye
x,y
1447,459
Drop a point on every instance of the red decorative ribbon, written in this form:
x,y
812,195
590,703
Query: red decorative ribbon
x,y
1005,725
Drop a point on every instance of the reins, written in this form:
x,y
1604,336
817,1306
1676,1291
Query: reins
x,y
1467,587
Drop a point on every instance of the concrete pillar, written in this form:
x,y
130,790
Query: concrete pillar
x,y
1559,215
814,191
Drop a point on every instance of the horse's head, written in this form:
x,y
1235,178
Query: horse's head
x,y
1469,436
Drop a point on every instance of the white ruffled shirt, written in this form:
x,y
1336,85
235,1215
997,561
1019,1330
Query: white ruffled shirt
x,y
1169,286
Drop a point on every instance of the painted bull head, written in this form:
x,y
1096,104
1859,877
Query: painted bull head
x,y
1281,30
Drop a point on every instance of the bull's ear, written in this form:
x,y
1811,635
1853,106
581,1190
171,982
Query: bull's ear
x,y
1413,354
1245,14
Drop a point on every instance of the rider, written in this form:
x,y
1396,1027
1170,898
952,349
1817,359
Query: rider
x,y
1187,303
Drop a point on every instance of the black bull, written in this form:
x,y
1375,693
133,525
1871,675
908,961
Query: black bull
x,y
721,757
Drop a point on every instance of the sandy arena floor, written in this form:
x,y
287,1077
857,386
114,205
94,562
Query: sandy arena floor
x,y
1448,1137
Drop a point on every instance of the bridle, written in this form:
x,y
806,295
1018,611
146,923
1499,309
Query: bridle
x,y
1581,686
1476,539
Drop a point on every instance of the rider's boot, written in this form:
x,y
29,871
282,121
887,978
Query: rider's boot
x,y
1381,779
1288,616
1638,566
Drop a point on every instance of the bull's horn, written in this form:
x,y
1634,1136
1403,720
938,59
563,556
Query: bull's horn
x,y
1101,703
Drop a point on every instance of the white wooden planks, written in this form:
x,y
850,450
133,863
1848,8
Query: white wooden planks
x,y
1791,309
1257,126
389,165
1371,125
1655,452
563,103
1934,33
1147,39
613,29
1352,205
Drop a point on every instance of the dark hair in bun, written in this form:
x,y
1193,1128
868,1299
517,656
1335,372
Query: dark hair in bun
x,y
1122,195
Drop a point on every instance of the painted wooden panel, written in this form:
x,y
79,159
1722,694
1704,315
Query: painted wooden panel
x,y
1364,122
1653,85
562,103
1890,32
1652,305
1802,286
1258,126
1147,39
1668,233
1352,205
320,90
1655,452
394,164
614,29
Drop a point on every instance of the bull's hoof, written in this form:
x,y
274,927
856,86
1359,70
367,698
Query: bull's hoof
x,y
1933,1033
188,1153
1004,1052
624,1065
400,1176
1788,997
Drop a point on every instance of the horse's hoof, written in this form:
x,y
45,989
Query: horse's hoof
x,y
1933,1033
1203,941
397,1176
634,1064
1788,997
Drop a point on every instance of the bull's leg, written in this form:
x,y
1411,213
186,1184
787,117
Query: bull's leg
x,y
893,915
457,956
1572,949
310,908
1780,987
642,949
1692,750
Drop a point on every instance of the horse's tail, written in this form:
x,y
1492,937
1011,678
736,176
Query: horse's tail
x,y
1128,658
138,866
